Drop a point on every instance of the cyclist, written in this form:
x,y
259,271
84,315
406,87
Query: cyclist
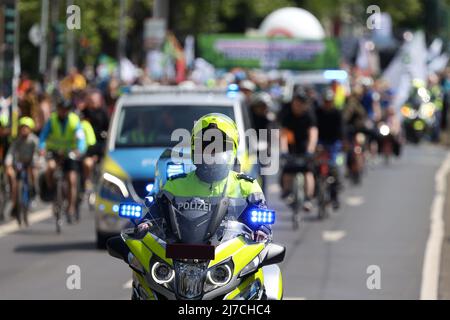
x,y
213,180
95,113
63,139
23,150
299,136
331,134
89,158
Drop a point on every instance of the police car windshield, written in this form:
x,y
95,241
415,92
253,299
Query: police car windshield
x,y
152,126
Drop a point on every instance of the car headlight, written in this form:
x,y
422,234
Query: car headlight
x,y
113,188
162,273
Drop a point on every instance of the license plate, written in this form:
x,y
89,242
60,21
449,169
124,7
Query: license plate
x,y
190,251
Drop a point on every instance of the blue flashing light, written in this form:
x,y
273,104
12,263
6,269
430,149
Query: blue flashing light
x,y
115,208
149,200
174,169
232,90
262,216
130,210
149,187
339,75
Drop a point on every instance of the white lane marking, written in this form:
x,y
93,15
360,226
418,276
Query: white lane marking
x,y
128,284
333,236
354,201
432,258
33,217
294,298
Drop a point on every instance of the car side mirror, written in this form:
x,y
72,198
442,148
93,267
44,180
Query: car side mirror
x,y
275,254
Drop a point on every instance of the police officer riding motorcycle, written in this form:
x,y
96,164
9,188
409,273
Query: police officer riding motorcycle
x,y
207,233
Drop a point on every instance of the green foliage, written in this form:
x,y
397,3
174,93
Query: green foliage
x,y
99,24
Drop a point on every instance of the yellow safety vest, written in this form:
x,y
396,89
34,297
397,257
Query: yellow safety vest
x,y
59,140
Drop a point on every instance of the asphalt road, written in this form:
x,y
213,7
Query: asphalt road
x,y
384,224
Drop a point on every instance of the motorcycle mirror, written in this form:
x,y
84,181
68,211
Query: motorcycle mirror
x,y
117,248
275,254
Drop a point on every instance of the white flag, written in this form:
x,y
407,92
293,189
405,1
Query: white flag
x,y
410,63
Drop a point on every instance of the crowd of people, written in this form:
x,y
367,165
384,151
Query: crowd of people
x,y
65,125
335,117
73,117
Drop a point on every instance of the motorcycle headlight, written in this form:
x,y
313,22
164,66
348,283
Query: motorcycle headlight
x,y
426,110
162,273
220,275
384,130
190,279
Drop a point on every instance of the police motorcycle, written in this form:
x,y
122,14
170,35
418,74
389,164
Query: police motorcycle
x,y
198,250
418,115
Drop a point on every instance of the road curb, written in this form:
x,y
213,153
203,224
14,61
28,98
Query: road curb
x,y
433,251
444,278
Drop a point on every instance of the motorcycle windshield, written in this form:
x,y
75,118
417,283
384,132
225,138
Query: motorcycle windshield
x,y
199,220
195,219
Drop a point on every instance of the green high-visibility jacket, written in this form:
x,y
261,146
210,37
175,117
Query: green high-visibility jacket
x,y
239,186
89,133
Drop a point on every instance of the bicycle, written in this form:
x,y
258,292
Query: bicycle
x,y
323,182
297,197
61,203
23,194
326,182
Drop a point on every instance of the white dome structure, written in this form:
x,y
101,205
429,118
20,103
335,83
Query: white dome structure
x,y
293,23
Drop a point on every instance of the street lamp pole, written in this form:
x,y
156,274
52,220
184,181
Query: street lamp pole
x,y
16,73
70,58
43,47
122,39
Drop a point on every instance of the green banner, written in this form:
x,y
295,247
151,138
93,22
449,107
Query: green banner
x,y
233,50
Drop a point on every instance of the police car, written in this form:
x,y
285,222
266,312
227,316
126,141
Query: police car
x,y
141,129
318,80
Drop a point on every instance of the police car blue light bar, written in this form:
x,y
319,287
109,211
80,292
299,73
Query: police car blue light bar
x,y
262,216
130,210
174,169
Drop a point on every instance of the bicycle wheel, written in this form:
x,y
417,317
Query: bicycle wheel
x,y
19,202
25,200
323,199
58,205
298,196
79,200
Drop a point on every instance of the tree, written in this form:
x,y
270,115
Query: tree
x,y
99,27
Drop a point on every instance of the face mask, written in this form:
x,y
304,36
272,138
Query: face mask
x,y
212,173
215,168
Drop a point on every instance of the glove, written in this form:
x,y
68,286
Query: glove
x,y
142,229
262,234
